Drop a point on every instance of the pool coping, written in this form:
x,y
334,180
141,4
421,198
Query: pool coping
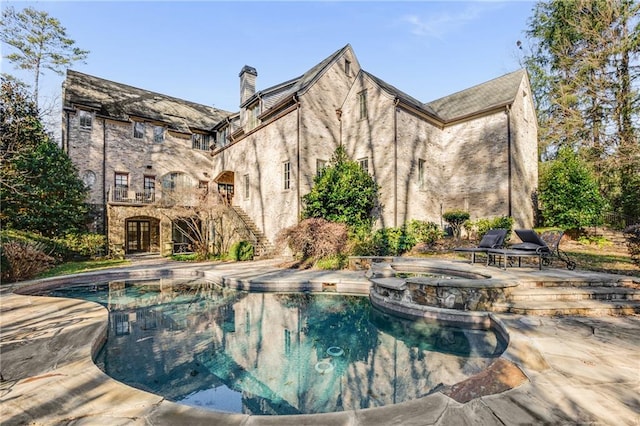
x,y
26,397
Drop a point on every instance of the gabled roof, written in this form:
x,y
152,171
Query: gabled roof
x,y
120,102
494,93
400,94
300,84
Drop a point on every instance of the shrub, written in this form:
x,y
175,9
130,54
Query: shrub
x,y
314,238
392,241
85,245
242,251
343,192
24,260
424,232
455,218
569,193
632,235
479,227
337,261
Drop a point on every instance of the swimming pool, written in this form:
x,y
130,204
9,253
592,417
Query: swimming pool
x,y
198,344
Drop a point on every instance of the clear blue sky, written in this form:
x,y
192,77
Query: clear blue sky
x,y
195,50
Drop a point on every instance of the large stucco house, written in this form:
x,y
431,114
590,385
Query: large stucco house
x,y
475,149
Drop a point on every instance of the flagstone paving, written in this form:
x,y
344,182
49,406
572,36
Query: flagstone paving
x,y
556,369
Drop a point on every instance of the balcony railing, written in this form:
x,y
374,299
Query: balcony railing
x,y
126,195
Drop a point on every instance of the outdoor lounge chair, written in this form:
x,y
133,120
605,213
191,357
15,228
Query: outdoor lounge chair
x,y
493,239
545,247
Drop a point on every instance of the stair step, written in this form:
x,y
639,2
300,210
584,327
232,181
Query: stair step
x,y
575,293
580,308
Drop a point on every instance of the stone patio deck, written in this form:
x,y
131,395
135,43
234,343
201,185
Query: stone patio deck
x,y
556,370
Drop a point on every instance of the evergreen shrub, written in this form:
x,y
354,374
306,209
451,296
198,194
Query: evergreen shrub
x,y
632,236
242,251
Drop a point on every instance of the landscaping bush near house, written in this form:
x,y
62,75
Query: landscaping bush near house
x,y
333,262
88,246
392,241
477,228
24,260
314,239
632,236
424,232
455,219
242,251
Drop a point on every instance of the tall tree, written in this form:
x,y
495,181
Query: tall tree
x,y
39,186
584,67
40,41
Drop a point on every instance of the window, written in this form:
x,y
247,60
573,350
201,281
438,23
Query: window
x,y
246,187
175,181
222,136
362,101
149,188
121,190
200,141
364,164
287,175
158,134
422,165
138,129
320,165
85,119
347,67
253,122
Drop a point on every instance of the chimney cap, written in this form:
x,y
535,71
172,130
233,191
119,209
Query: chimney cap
x,y
248,69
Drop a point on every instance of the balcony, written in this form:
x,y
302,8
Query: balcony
x,y
127,196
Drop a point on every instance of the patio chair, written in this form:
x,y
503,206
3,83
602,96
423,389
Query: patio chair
x,y
493,239
545,247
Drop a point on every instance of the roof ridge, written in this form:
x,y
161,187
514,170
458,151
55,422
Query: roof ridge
x,y
128,86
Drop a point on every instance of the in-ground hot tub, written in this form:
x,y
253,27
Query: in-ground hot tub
x,y
418,289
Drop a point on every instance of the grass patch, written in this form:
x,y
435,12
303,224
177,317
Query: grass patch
x,y
68,268
604,262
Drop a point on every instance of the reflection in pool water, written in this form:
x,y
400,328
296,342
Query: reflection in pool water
x,y
275,353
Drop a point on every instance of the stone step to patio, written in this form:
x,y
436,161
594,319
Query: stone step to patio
x,y
575,293
553,282
577,307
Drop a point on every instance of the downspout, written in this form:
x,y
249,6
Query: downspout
x,y
295,98
395,162
66,131
104,179
509,178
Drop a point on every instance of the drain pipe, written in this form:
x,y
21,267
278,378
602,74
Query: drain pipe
x,y
509,177
105,219
295,98
395,162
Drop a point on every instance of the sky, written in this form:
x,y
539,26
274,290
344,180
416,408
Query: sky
x,y
195,50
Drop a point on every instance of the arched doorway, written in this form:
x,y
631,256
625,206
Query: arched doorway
x,y
142,235
225,181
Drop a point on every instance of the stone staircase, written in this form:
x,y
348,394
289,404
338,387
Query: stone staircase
x,y
262,245
582,298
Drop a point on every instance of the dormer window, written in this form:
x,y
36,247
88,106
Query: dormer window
x,y
253,112
222,136
85,119
138,130
200,141
158,134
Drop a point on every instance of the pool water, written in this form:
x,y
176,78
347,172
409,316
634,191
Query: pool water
x,y
198,344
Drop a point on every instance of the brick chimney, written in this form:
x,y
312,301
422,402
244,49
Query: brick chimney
x,y
247,83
